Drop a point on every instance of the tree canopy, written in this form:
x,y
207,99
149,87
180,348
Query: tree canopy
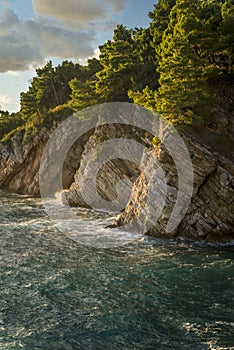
x,y
128,62
193,42
176,66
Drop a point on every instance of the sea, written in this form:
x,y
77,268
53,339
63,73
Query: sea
x,y
59,294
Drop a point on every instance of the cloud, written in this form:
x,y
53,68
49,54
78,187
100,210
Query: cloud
x,y
4,3
17,52
96,54
24,44
78,11
8,21
14,73
55,41
4,101
62,29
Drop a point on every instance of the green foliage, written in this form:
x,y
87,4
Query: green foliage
x,y
57,114
90,70
36,122
194,45
49,88
117,59
83,95
175,67
183,85
156,141
128,64
8,122
190,58
146,97
10,135
160,21
226,30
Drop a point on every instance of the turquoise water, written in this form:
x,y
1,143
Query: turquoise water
x,y
56,294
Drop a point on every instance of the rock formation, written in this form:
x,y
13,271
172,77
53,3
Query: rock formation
x,y
210,215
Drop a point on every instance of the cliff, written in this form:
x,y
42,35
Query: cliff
x,y
20,161
210,215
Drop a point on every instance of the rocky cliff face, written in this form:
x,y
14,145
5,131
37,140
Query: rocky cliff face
x,y
210,215
20,161
113,171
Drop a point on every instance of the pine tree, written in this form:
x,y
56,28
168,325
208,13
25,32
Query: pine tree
x,y
117,59
160,20
28,103
183,86
83,95
50,87
226,30
128,64
8,122
191,58
64,73
145,95
145,65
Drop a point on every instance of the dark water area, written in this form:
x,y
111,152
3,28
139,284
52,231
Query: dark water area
x,y
56,294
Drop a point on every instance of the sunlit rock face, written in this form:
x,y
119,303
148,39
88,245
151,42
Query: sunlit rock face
x,y
210,214
20,161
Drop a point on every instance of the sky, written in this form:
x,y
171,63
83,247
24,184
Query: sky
x,y
35,31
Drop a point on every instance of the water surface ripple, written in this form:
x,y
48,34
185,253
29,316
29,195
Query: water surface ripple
x,y
58,295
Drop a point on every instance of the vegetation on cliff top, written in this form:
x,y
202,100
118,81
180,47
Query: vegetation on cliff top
x,y
181,66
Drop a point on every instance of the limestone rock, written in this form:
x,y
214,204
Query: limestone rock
x,y
210,215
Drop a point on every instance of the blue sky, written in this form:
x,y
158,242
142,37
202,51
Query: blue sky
x,y
33,31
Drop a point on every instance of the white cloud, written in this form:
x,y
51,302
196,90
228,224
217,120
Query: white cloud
x,y
4,101
28,43
63,29
14,73
96,54
78,11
